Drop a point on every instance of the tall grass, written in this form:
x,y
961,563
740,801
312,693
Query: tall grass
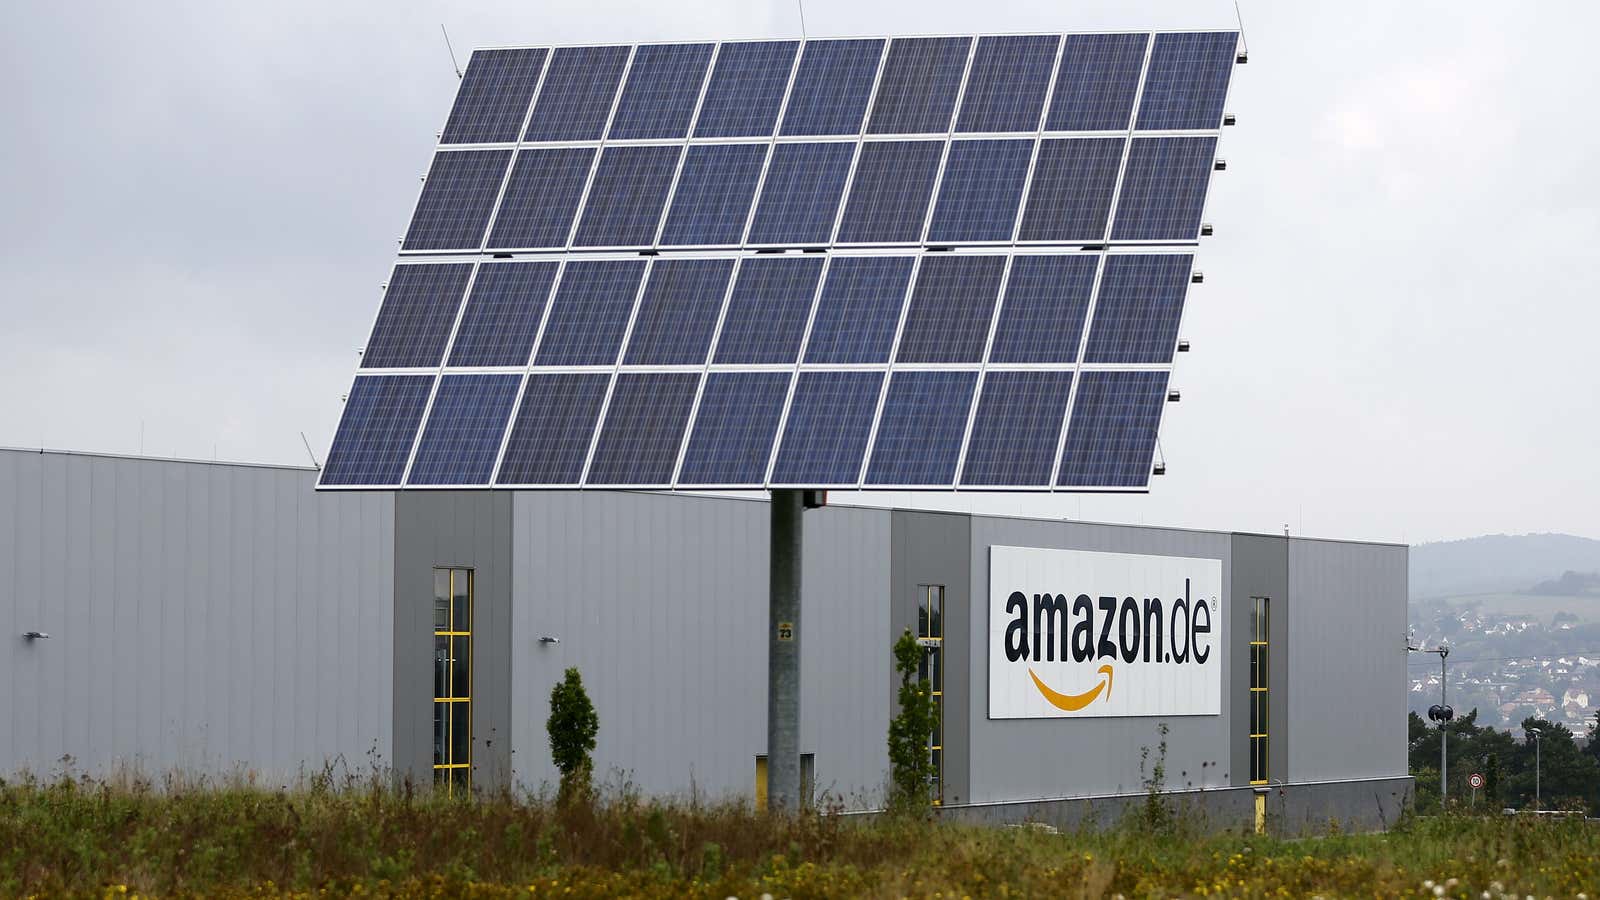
x,y
77,837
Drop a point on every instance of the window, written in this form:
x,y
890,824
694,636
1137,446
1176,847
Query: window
x,y
452,680
930,634
1260,758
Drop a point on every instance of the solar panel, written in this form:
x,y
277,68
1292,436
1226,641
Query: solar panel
x,y
643,429
502,317
1188,81
713,196
457,199
1112,439
951,306
1138,309
494,96
889,196
981,192
1073,183
767,312
555,424
858,309
375,433
1041,317
1007,84
902,263
542,198
678,312
1096,82
625,200
419,309
734,428
919,433
579,89
746,89
1015,430
464,428
830,421
590,312
800,199
1164,189
663,88
832,87
917,92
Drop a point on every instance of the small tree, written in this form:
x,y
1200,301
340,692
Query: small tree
x,y
572,727
910,766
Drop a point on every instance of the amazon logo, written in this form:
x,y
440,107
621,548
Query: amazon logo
x,y
1089,633
1074,702
1108,627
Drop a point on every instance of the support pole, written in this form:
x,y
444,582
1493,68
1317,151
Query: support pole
x,y
1538,765
1444,736
783,655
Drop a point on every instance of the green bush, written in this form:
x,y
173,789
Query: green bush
x,y
910,767
572,726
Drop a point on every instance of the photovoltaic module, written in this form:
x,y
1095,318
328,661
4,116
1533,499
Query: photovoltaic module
x,y
880,263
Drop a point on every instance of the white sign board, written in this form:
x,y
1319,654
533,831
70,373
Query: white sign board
x,y
1076,634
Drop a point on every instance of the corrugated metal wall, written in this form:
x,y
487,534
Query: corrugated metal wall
x,y
1347,660
661,602
213,617
203,618
471,529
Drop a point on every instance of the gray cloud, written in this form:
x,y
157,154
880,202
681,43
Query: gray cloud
x,y
1395,339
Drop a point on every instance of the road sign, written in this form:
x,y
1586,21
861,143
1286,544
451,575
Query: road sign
x,y
1475,780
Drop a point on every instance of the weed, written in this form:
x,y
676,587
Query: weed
x,y
73,836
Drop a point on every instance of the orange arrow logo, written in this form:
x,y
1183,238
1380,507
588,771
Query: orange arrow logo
x,y
1074,702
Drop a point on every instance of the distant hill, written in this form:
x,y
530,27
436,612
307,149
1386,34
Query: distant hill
x,y
1499,562
1570,584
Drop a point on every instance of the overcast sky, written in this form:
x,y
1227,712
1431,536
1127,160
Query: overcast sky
x,y
1397,338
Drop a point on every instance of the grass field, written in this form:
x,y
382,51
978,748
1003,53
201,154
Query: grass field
x,y
78,838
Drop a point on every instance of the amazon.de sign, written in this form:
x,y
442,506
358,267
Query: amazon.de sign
x,y
1075,633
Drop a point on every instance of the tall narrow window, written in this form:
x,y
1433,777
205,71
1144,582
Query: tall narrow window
x,y
1260,758
930,634
452,680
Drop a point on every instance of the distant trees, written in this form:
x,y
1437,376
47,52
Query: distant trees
x,y
1569,777
1570,584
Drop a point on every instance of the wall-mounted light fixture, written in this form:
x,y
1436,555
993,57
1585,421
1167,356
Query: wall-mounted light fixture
x,y
549,639
35,635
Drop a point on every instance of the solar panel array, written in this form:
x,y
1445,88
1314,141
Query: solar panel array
x,y
952,262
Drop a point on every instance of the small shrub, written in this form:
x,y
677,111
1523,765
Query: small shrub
x,y
910,767
1157,814
572,726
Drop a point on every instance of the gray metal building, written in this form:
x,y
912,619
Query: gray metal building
x,y
220,618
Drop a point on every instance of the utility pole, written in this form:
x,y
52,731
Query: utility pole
x,y
1442,713
1444,736
783,654
1538,745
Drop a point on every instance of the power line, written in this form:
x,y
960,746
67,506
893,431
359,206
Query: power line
x,y
1595,653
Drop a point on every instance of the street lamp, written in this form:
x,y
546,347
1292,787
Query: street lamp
x,y
1538,744
1441,713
